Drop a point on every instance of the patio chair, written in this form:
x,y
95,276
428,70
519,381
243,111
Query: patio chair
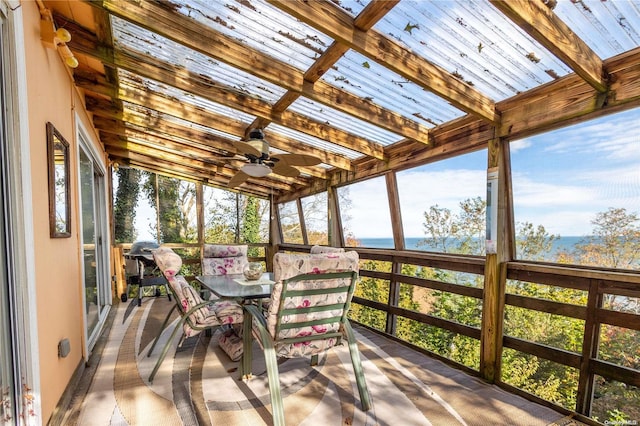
x,y
195,313
307,316
325,249
223,259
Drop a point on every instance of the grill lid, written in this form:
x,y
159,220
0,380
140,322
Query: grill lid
x,y
141,248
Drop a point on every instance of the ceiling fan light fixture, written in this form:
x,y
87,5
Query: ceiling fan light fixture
x,y
256,169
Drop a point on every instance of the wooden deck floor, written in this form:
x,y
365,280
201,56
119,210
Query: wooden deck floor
x,y
198,384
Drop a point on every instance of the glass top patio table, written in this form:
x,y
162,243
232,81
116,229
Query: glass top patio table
x,y
227,286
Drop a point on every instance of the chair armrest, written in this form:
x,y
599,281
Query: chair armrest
x,y
260,323
255,313
198,306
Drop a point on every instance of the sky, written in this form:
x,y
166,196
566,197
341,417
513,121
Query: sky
x,y
561,180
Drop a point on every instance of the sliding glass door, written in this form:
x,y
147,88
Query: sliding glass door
x,y
8,385
94,242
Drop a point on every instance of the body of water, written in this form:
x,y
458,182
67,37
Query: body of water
x,y
562,244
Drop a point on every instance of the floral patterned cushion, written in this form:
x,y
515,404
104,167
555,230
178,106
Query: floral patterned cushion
x,y
326,249
228,312
221,259
167,260
231,344
290,265
211,315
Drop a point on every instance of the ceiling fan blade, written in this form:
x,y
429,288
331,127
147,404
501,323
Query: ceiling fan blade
x,y
247,149
296,159
238,179
285,170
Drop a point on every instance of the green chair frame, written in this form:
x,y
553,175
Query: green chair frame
x,y
269,343
185,316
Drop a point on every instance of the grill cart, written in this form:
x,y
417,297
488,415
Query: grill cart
x,y
142,271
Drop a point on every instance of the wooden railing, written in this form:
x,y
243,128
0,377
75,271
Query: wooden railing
x,y
191,261
595,283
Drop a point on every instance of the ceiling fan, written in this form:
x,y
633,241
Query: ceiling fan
x,y
259,163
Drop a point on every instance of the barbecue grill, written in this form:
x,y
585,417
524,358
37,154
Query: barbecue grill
x,y
141,270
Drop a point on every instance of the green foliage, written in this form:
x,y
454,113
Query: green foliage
x,y
174,201
462,233
533,243
126,201
614,241
250,224
222,224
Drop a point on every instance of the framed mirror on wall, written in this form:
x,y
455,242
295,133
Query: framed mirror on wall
x,y
59,197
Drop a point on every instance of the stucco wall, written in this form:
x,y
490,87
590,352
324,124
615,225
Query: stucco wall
x,y
52,98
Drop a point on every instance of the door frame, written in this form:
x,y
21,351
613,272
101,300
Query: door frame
x,y
19,217
101,210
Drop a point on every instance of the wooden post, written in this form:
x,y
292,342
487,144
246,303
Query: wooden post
x,y
500,230
398,238
117,256
303,223
336,234
200,220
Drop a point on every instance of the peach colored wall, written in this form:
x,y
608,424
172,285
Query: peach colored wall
x,y
52,98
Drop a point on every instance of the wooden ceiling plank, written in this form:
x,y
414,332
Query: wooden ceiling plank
x,y
201,38
148,165
159,103
190,151
170,164
182,148
539,21
336,23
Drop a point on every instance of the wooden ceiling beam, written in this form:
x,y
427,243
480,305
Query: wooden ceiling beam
x,y
539,21
154,123
559,103
338,24
371,14
174,163
571,99
142,163
187,148
161,104
198,85
201,38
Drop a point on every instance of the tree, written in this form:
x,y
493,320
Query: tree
x,y
126,201
250,223
463,233
471,226
174,201
614,242
533,243
440,226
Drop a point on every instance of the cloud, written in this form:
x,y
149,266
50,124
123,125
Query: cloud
x,y
519,145
418,190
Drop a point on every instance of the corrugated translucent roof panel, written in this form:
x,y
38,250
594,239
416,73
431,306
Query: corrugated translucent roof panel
x,y
366,79
608,27
354,7
127,78
132,37
129,107
312,141
262,27
344,121
475,42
